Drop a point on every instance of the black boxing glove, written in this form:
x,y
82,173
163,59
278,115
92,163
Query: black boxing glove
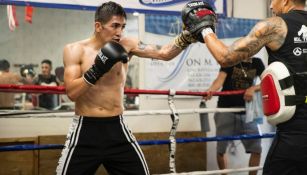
x,y
196,16
109,55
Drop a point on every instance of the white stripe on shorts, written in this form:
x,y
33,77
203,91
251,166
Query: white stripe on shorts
x,y
70,144
134,144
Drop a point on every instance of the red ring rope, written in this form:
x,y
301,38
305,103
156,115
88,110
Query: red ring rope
x,y
61,90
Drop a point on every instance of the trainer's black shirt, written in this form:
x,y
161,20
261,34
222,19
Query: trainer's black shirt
x,y
48,101
240,76
293,53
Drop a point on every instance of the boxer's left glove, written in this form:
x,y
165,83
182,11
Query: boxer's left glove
x,y
106,58
184,39
198,15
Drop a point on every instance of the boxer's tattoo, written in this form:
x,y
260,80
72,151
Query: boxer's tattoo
x,y
271,31
175,48
143,46
165,52
158,47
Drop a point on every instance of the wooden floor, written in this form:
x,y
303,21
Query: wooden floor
x,y
189,156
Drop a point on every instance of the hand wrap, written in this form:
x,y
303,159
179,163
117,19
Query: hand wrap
x,y
184,39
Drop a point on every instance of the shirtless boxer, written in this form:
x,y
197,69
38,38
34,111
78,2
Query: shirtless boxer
x,y
94,77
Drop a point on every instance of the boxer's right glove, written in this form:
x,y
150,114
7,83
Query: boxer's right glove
x,y
196,16
109,55
184,39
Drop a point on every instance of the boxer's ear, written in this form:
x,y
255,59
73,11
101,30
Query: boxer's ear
x,y
98,26
285,2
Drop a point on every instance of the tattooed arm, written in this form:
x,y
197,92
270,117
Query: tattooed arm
x,y
138,48
270,32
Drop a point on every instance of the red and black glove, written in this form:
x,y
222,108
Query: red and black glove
x,y
196,16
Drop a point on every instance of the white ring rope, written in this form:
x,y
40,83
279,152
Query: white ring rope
x,y
218,171
60,114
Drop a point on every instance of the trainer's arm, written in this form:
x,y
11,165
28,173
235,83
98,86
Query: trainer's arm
x,y
73,80
249,93
138,48
270,32
216,85
218,82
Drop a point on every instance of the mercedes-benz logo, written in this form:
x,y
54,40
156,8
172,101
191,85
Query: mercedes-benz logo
x,y
297,51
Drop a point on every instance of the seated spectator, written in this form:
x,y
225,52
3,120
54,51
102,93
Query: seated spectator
x,y
47,101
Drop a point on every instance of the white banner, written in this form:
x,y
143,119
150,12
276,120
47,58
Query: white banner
x,y
137,5
193,70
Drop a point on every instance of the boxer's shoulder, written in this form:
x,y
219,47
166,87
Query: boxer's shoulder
x,y
129,43
80,45
75,49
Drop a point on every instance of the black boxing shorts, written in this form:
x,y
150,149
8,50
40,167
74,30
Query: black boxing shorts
x,y
92,141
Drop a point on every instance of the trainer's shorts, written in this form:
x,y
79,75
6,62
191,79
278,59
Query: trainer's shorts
x,y
93,141
228,124
287,154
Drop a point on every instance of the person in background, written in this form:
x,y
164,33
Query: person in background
x,y
47,101
59,73
7,99
130,99
65,102
240,76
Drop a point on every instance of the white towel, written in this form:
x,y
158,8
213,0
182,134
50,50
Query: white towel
x,y
254,110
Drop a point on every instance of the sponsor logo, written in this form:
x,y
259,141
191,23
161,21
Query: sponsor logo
x,y
297,40
160,3
194,4
163,3
103,57
302,35
297,51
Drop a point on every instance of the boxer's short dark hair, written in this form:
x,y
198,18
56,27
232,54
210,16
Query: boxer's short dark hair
x,y
108,9
46,61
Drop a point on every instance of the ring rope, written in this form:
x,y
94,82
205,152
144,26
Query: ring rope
x,y
62,114
218,171
146,142
171,93
32,89
27,147
61,90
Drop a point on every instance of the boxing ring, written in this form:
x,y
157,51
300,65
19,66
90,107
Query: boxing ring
x,y
173,112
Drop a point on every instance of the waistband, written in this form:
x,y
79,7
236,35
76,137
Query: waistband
x,y
111,118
